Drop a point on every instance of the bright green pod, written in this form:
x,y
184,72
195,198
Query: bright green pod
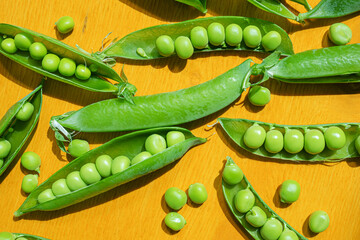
x,y
19,236
127,145
198,4
236,129
230,192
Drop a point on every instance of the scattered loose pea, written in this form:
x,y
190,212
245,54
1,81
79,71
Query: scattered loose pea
x,y
259,96
340,33
78,147
288,234
232,174
319,221
5,147
60,187
357,144
82,72
31,161
199,37
74,181
314,141
271,41
50,62
184,48
25,112
65,24
8,45
29,183
140,157
119,164
197,193
175,198
175,221
274,141
37,50
67,67
6,236
289,191
165,45
216,33
174,137
254,136
256,217
89,174
335,138
23,41
244,200
46,196
272,229
233,34
252,36
293,141
155,144
103,165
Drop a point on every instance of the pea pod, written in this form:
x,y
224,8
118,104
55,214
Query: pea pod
x,y
16,131
94,83
26,236
274,6
236,129
198,4
128,145
145,39
230,191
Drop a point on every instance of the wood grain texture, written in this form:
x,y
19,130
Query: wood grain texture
x,y
136,210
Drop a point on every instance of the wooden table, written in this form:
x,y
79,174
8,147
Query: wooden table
x,y
136,210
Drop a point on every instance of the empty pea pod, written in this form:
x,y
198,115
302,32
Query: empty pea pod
x,y
22,236
236,129
253,220
16,131
127,145
198,4
145,39
95,82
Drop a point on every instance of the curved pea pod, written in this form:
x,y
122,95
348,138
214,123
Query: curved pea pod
x,y
145,38
230,191
16,131
274,6
28,236
198,4
236,129
95,83
129,145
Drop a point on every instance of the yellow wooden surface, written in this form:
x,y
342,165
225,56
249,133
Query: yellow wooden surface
x,y
136,210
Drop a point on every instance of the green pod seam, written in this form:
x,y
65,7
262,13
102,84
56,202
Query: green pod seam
x,y
28,236
230,191
198,4
236,129
275,7
20,130
146,38
128,145
96,82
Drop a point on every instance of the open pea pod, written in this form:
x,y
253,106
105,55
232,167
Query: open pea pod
x,y
28,236
230,191
95,83
145,39
127,145
198,4
236,128
16,131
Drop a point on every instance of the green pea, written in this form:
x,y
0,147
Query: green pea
x,y
74,181
5,147
82,72
232,174
23,41
78,147
31,161
50,62
29,183
340,33
103,165
37,50
155,144
25,112
233,35
293,141
6,236
174,137
93,68
216,33
45,196
288,234
319,221
89,174
271,41
254,136
272,229
8,45
175,198
165,45
335,138
252,36
244,200
314,141
59,187
67,67
197,193
65,24
289,191
256,217
357,144
140,157
174,221
184,48
274,141
1,162
119,164
259,96
141,52
199,37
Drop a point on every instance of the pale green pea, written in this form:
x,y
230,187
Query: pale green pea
x,y
357,144
259,96
29,183
216,33
274,141
45,196
25,112
82,72
288,234
50,62
293,141
74,181
89,174
119,164
6,236
289,191
335,138
67,67
31,161
184,48
244,200
140,157
199,37
256,217
174,221
37,50
5,147
314,141
103,165
271,41
272,229
319,221
141,52
155,144
78,147
59,187
254,136
232,174
233,34
174,137
175,198
165,45
23,41
93,68
8,45
197,193
340,33
252,36
65,24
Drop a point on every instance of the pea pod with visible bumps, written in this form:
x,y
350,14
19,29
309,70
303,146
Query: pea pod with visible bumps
x,y
230,191
96,82
15,236
198,4
16,131
145,39
127,145
236,129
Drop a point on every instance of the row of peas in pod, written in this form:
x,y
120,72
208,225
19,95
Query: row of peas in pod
x,y
294,141
49,61
105,166
217,35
